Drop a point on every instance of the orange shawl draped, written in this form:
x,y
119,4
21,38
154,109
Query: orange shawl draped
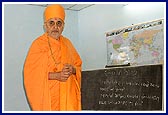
x,y
44,94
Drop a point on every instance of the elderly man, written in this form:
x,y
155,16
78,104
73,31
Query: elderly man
x,y
52,69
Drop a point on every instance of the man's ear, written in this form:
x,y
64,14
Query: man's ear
x,y
63,27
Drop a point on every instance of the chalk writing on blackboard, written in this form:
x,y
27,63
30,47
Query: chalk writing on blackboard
x,y
128,83
128,88
125,72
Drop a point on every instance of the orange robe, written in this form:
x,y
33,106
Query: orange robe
x,y
48,95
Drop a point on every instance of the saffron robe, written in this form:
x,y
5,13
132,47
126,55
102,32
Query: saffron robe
x,y
48,95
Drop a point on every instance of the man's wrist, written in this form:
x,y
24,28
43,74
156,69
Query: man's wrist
x,y
54,76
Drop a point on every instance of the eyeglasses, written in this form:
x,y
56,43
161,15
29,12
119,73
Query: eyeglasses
x,y
52,23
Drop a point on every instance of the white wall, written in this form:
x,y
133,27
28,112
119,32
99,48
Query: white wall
x,y
86,29
23,24
98,19
71,27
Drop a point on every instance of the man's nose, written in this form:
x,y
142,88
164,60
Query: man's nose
x,y
55,25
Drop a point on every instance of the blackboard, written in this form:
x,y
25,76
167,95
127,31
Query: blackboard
x,y
123,88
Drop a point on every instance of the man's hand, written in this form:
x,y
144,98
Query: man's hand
x,y
60,76
64,74
69,69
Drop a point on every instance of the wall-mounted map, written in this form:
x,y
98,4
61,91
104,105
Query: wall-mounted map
x,y
138,44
